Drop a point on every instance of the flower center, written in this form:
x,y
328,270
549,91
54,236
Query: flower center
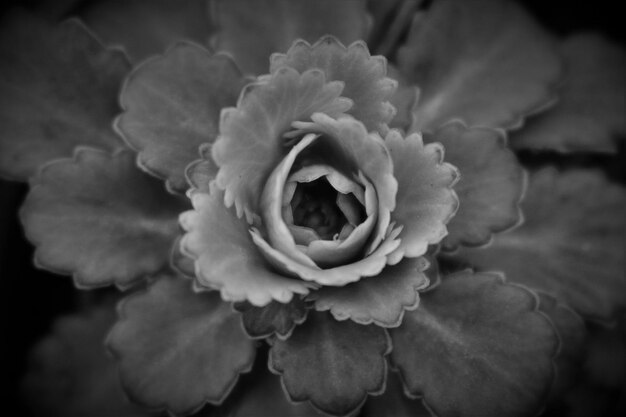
x,y
314,206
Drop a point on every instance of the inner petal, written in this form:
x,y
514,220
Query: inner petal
x,y
316,208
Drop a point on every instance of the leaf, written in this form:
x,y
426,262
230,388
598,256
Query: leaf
x,y
177,349
226,258
571,244
589,116
425,202
251,31
172,105
273,319
485,62
490,186
58,90
101,219
476,346
332,364
251,139
393,402
381,299
365,76
147,27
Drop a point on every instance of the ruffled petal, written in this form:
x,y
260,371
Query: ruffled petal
x,y
380,299
147,27
425,202
476,347
100,218
393,402
58,89
490,186
251,139
349,363
172,105
571,244
251,31
365,76
227,259
590,113
485,61
177,349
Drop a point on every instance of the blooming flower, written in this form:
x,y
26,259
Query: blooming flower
x,y
350,209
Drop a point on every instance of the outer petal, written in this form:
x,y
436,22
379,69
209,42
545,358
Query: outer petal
x,y
425,202
147,27
274,319
380,299
177,349
484,61
490,186
100,218
251,31
365,76
172,105
476,347
590,113
58,89
227,259
251,143
349,363
571,244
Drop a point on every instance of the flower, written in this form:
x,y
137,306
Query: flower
x,y
335,198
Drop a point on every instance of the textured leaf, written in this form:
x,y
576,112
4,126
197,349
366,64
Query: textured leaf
x,y
227,259
172,105
590,113
380,299
147,27
425,202
483,61
365,76
251,139
273,319
100,218
605,362
490,185
178,349
58,89
571,244
393,402
70,373
476,347
332,364
251,31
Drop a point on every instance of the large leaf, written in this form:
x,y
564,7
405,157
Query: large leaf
x,y
252,30
178,349
476,347
571,244
332,364
100,218
483,61
172,105
58,89
394,402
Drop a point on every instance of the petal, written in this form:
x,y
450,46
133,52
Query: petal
x,y
251,143
425,202
58,89
393,402
485,62
70,373
100,218
590,113
177,349
571,244
172,105
365,76
251,31
380,299
227,259
490,186
476,347
147,27
349,363
274,319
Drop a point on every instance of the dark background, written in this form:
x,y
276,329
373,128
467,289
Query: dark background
x,y
32,299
